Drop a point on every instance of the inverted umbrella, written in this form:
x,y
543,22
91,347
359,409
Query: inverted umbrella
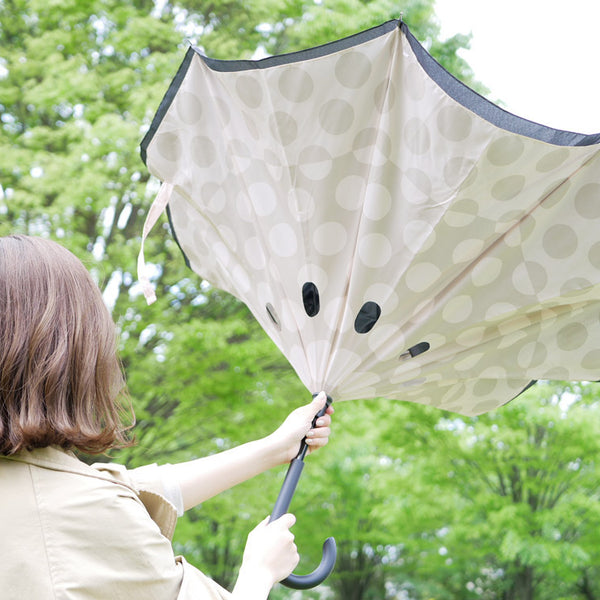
x,y
395,234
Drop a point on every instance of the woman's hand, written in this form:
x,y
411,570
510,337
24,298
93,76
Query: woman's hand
x,y
298,425
270,556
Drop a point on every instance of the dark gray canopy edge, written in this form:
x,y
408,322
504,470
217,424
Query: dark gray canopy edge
x,y
489,111
450,84
174,234
308,54
166,101
248,65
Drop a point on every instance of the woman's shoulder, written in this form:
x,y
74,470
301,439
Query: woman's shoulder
x,y
54,458
93,536
92,529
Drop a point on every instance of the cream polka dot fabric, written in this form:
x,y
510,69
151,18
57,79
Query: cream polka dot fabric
x,y
390,237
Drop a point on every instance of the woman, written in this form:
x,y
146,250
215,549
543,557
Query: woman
x,y
71,531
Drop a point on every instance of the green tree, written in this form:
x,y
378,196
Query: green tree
x,y
505,506
535,463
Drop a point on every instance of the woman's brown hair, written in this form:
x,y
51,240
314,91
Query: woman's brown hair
x,y
61,381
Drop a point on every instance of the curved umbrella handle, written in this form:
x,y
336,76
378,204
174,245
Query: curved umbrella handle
x,y
304,582
320,574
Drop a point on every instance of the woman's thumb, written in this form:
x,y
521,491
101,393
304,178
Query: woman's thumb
x,y
319,400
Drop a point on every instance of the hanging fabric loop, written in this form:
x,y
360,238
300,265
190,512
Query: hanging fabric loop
x,y
157,208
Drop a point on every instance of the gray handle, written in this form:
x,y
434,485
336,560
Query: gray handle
x,y
320,574
282,504
287,489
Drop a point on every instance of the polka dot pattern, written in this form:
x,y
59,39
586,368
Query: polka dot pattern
x,y
417,136
329,238
352,69
505,150
336,116
283,240
203,151
189,108
249,91
375,250
295,85
351,175
586,201
169,146
283,127
454,123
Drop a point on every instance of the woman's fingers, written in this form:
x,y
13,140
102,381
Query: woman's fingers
x,y
325,420
270,549
286,521
297,426
318,436
318,433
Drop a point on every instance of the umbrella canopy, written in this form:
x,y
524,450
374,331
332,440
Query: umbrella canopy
x,y
394,233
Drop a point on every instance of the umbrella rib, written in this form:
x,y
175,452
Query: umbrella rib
x,y
448,201
370,358
343,314
291,183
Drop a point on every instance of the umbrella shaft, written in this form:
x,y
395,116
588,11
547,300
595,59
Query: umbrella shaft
x,y
288,488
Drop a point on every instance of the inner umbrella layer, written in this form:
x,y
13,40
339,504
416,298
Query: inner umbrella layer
x,y
394,233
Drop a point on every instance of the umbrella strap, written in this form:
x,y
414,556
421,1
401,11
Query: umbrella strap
x,y
157,208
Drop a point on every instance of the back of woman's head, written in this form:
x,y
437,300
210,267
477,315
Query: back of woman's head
x,y
60,377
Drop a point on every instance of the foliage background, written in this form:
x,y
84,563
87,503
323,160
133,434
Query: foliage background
x,y
424,505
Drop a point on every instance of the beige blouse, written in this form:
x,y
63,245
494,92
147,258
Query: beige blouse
x,y
74,532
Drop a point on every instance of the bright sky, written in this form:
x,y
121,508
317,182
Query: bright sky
x,y
539,57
